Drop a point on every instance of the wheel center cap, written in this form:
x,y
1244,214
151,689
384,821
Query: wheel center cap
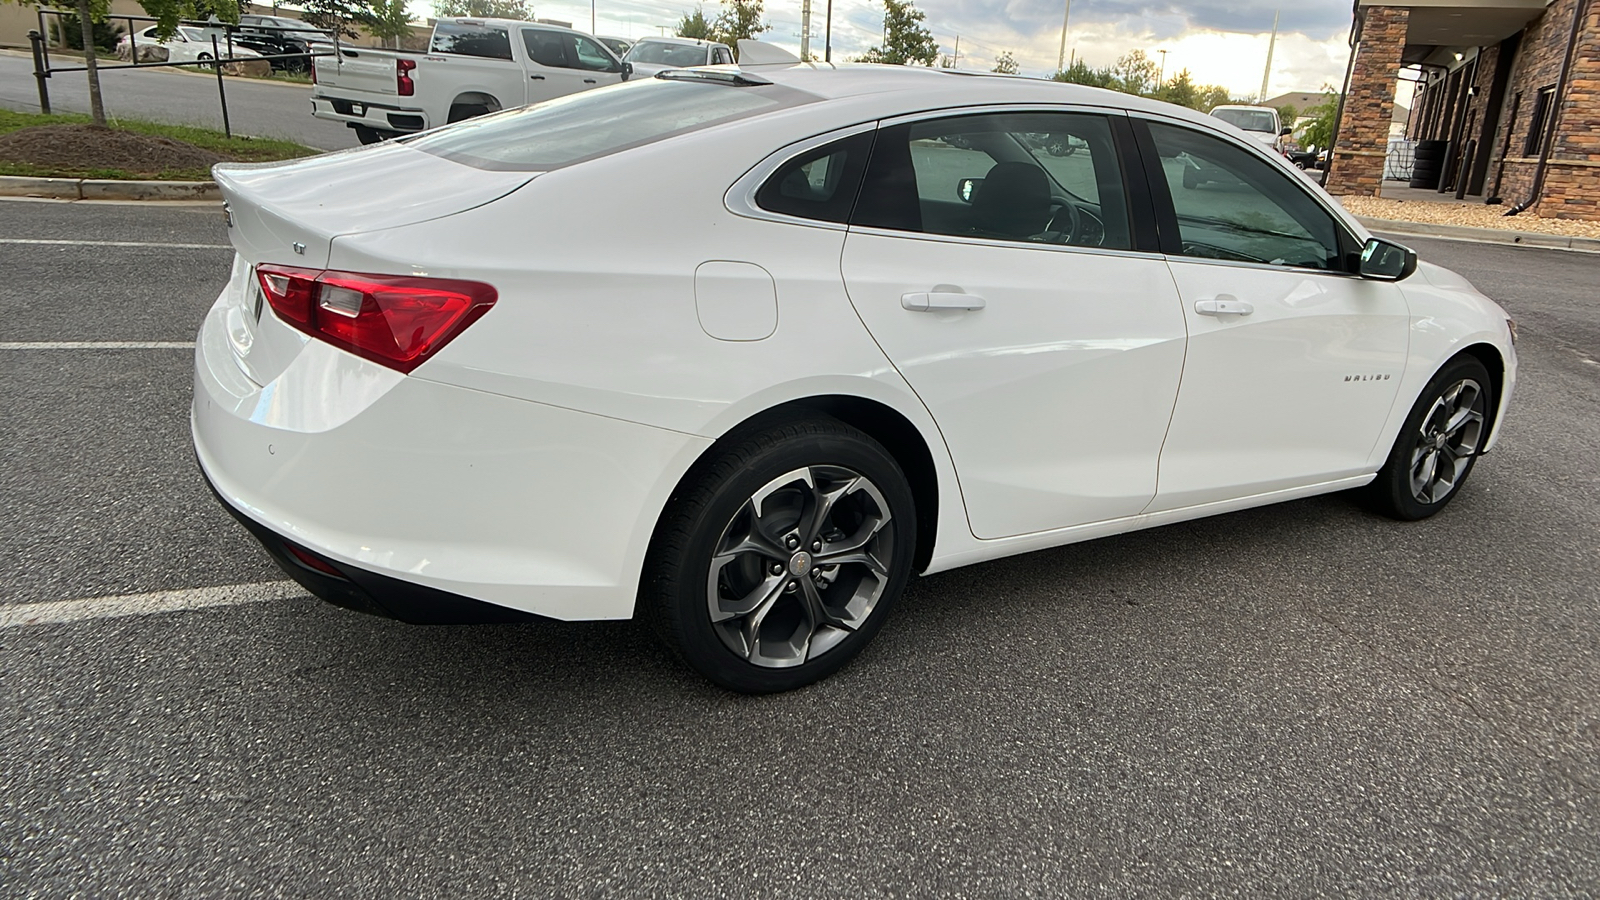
x,y
800,563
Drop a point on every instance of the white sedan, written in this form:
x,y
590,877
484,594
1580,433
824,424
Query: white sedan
x,y
856,325
187,44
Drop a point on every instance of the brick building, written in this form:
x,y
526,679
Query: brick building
x,y
1511,88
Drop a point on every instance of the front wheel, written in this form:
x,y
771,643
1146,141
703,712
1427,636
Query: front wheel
x,y
780,561
1438,445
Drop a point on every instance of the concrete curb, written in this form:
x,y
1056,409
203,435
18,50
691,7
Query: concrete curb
x,y
1485,235
100,189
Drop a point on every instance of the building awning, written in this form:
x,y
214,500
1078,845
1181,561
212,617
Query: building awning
x,y
1461,23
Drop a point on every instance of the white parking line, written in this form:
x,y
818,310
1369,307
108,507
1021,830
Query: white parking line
x,y
56,612
96,345
64,243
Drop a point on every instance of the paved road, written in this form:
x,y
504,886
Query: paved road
x,y
179,98
1300,701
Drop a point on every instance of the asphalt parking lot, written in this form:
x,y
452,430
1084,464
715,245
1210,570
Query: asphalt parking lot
x,y
1297,701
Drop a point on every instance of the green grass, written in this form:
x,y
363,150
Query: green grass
x,y
240,149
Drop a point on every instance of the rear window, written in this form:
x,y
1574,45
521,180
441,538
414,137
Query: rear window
x,y
660,53
1248,119
469,39
600,122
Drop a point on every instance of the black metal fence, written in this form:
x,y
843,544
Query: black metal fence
x,y
44,69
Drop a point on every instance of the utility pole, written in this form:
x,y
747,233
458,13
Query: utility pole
x,y
1062,56
1271,43
1161,70
805,31
591,16
827,35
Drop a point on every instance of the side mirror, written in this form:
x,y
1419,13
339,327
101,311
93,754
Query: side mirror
x,y
967,188
627,71
1285,132
1383,260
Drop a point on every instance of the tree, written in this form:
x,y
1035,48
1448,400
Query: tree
x,y
68,32
1319,132
484,9
739,20
1179,89
1006,64
695,25
1214,96
1135,73
906,41
389,20
1287,113
337,15
1081,73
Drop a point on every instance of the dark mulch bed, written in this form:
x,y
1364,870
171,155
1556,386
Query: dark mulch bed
x,y
91,147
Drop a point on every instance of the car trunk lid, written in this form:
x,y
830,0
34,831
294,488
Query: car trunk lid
x,y
290,213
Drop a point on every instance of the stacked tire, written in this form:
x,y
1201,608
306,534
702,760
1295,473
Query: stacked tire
x,y
1429,164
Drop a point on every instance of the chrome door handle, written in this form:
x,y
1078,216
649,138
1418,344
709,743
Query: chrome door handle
x,y
935,301
1223,305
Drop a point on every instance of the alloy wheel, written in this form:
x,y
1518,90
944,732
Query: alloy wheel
x,y
1447,440
801,566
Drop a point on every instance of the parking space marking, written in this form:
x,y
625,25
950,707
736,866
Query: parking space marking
x,y
57,612
96,345
65,243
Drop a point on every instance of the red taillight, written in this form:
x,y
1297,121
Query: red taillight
x,y
402,77
394,320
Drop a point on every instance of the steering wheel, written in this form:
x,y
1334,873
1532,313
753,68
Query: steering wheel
x,y
1066,221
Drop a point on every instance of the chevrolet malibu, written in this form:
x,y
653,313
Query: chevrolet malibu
x,y
742,351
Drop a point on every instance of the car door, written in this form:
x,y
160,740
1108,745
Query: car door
x,y
1293,360
1004,282
562,63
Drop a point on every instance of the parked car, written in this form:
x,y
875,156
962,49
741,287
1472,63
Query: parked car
x,y
826,350
1260,122
619,45
187,44
472,67
274,36
651,55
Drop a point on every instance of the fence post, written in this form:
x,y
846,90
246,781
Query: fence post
x,y
40,73
221,91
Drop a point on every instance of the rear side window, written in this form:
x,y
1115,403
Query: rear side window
x,y
600,122
464,39
820,183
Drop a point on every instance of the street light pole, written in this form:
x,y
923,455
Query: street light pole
x,y
1161,70
1061,58
827,36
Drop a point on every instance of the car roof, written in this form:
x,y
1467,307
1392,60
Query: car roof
x,y
956,88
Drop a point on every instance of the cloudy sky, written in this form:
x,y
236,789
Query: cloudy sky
x,y
1219,41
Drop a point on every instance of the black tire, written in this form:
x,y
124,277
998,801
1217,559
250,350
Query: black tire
x,y
462,111
762,650
1395,492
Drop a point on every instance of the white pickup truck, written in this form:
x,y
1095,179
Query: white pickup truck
x,y
471,67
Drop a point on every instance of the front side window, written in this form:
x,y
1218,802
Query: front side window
x,y
596,123
1233,205
588,55
463,39
1036,177
721,57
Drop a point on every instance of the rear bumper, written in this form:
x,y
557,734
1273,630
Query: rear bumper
x,y
369,592
422,494
366,114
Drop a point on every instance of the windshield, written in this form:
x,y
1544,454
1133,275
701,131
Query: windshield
x,y
1248,119
596,123
657,53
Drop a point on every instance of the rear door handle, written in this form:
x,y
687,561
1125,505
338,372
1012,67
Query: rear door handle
x,y
588,81
935,301
535,77
1223,305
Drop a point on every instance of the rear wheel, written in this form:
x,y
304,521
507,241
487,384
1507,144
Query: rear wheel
x,y
1439,443
462,111
781,560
